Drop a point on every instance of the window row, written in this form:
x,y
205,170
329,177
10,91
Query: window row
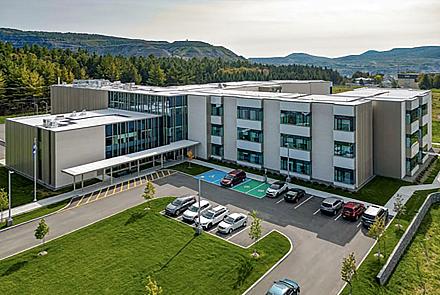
x,y
412,116
217,150
344,149
249,135
412,139
216,110
216,130
296,142
250,156
295,118
247,113
344,123
344,175
296,166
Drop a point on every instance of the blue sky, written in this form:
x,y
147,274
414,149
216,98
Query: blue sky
x,y
249,27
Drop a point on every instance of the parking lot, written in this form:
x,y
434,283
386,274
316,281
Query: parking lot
x,y
320,241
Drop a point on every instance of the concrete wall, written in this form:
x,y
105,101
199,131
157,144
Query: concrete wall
x,y
387,270
271,134
68,99
230,128
322,142
77,147
364,143
306,87
389,138
198,122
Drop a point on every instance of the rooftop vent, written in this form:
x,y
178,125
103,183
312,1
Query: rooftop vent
x,y
83,112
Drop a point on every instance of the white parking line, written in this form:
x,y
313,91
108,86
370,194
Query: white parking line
x,y
303,202
338,216
316,212
236,233
279,201
359,224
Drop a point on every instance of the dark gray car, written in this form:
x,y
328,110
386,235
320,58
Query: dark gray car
x,y
179,205
331,205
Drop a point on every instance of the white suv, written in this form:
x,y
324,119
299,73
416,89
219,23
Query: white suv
x,y
192,212
212,216
232,222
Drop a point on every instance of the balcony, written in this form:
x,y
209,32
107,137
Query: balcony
x,y
344,136
256,125
413,127
295,154
250,146
218,120
344,162
295,130
425,120
413,150
216,140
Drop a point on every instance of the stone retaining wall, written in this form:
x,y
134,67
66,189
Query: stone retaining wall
x,y
386,271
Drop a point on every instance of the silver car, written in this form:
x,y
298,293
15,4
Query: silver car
x,y
331,205
232,222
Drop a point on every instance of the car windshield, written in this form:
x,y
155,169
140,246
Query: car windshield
x,y
229,177
194,208
368,216
349,210
326,205
177,202
208,214
292,193
229,220
275,186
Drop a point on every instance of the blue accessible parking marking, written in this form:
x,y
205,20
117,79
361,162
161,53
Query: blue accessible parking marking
x,y
212,176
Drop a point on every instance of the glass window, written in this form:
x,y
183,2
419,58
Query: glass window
x,y
344,149
250,135
250,156
424,130
217,150
344,123
424,109
412,116
295,118
296,166
411,164
216,130
344,175
216,110
296,142
412,139
246,113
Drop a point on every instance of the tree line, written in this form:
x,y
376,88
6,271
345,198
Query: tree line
x,y
429,81
27,72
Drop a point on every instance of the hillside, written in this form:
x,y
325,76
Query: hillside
x,y
114,45
417,59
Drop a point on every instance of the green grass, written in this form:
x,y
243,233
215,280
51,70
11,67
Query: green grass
x,y
378,191
192,169
432,172
22,188
365,282
114,256
343,88
35,213
3,118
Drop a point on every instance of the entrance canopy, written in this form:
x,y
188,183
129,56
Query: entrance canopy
x,y
108,163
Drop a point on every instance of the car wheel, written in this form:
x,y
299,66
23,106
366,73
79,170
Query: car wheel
x,y
335,212
209,226
177,212
244,224
230,231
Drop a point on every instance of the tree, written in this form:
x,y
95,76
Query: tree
x,y
190,157
400,209
425,81
152,288
348,270
255,229
149,192
156,76
376,231
435,81
42,230
4,203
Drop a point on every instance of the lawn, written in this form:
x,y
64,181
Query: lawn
x,y
432,172
191,169
114,256
35,213
365,282
3,118
343,88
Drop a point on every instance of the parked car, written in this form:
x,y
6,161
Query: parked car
x,y
372,213
331,205
284,287
276,189
294,195
179,205
192,212
234,177
213,216
353,210
232,222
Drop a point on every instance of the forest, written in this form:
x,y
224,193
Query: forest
x,y
26,73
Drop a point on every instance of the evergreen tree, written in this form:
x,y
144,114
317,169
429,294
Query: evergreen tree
x,y
436,81
425,81
156,76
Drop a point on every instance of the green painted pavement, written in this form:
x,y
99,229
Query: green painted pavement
x,y
260,191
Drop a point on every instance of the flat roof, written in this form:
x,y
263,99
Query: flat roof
x,y
107,163
79,120
385,93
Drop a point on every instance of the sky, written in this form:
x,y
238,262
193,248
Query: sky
x,y
251,28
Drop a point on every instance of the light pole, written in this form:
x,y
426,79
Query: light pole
x,y
34,153
9,221
288,163
47,106
199,228
36,106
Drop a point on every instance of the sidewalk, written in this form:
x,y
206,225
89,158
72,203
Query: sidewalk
x,y
308,190
89,189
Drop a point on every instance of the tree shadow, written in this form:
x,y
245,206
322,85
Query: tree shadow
x,y
178,252
15,267
135,217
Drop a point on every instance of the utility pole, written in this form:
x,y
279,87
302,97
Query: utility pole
x,y
9,222
34,154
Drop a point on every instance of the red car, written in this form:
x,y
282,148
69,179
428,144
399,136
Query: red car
x,y
234,177
353,210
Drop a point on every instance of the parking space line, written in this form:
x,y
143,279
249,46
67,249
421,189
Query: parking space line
x,y
303,202
338,216
128,184
90,197
122,186
99,194
279,201
106,192
316,212
359,224
244,228
82,198
114,190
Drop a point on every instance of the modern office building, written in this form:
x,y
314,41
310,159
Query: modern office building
x,y
98,129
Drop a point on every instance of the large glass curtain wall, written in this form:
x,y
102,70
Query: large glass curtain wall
x,y
172,109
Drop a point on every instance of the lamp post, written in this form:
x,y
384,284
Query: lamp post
x,y
199,228
9,221
36,106
47,106
288,163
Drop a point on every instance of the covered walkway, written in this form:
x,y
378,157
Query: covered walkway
x,y
132,160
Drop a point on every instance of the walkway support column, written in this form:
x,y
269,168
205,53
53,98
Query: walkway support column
x,y
161,160
82,184
74,183
103,175
111,175
139,167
